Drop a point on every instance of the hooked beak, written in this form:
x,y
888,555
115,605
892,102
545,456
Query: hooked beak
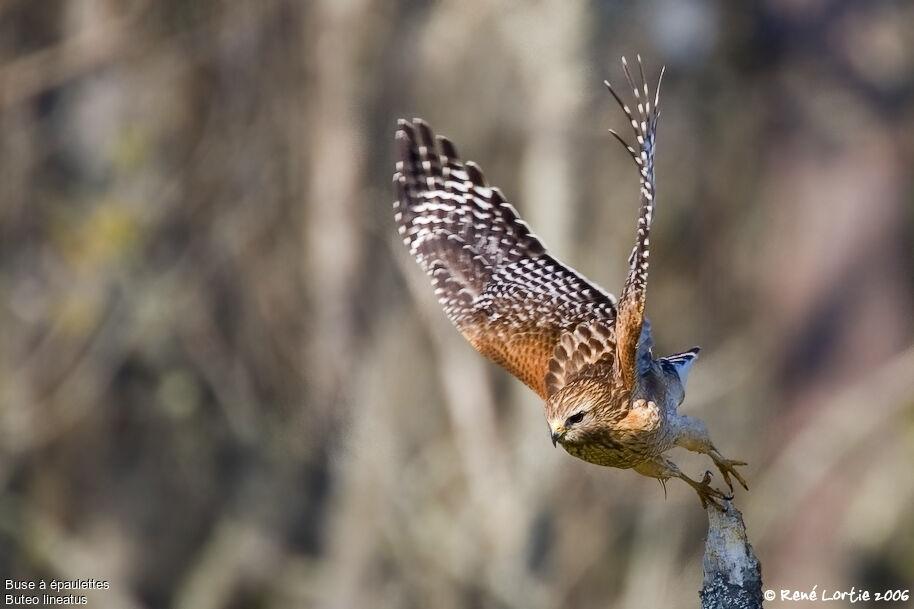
x,y
557,434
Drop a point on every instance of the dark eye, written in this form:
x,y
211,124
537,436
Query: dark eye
x,y
574,419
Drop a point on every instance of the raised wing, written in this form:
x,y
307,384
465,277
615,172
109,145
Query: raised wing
x,y
643,122
493,277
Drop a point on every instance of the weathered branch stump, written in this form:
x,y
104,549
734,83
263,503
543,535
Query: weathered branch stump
x,y
733,575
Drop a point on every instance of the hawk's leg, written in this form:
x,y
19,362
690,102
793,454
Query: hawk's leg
x,y
663,469
692,434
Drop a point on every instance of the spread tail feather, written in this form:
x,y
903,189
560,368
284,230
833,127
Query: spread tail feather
x,y
681,363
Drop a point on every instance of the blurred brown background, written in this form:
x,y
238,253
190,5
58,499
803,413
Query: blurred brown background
x,y
225,384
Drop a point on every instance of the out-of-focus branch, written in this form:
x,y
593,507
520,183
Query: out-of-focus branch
x,y
733,575
469,400
48,68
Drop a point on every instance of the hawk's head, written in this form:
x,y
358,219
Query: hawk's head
x,y
582,410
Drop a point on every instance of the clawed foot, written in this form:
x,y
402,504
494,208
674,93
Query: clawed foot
x,y
707,493
727,467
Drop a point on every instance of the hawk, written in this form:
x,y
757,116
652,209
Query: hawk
x,y
587,355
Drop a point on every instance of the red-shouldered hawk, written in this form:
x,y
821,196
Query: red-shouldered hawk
x,y
608,401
